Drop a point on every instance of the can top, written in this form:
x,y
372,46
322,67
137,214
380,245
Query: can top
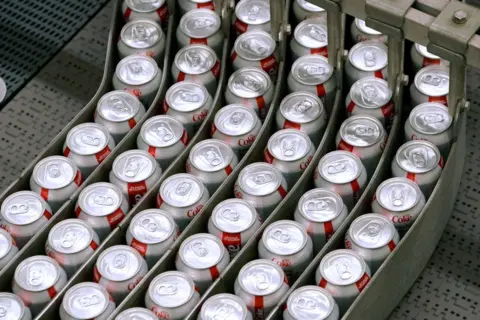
x,y
424,52
398,194
301,107
100,199
119,263
310,302
362,26
87,138
145,6
430,118
253,11
136,70
312,33
340,167
369,56
433,81
309,6
86,300
182,190
6,242
161,131
255,45
134,166
23,207
224,306
137,313
118,106
361,131
342,267
372,231
370,93
234,216
171,289
200,23
320,205
152,226
289,145
312,70
260,179
70,236
284,237
235,120
211,155
11,306
186,96
418,156
141,34
249,82
37,273
261,277
195,59
201,251
54,172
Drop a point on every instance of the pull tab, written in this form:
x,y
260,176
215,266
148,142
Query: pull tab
x,y
194,58
370,59
254,46
203,23
70,236
120,261
183,188
315,70
289,147
418,157
212,156
320,205
149,224
303,106
343,269
230,215
281,236
134,165
254,12
433,80
168,289
306,304
140,32
263,178
118,105
372,230
362,131
3,311
250,83
187,96
103,200
199,249
135,68
90,140
398,196
317,34
164,132
262,281
433,118
237,118
337,167
369,93
54,170
35,276
222,312
88,301
18,208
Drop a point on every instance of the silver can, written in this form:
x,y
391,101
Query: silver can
x,y
142,37
366,59
360,32
132,313
431,84
8,249
13,308
311,302
156,10
224,306
421,58
310,37
303,9
188,5
251,15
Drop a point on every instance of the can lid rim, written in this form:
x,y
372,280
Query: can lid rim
x,y
75,129
151,287
304,5
239,16
236,106
398,179
283,222
331,301
364,217
10,244
268,167
335,195
61,158
86,284
16,298
249,69
423,51
179,176
84,194
416,80
23,192
225,296
253,33
182,51
233,200
296,132
425,143
60,224
149,122
144,153
204,235
343,127
301,25
378,45
203,142
359,103
58,270
265,262
417,109
284,106
125,60
348,154
131,5
189,14
344,251
146,21
312,57
125,247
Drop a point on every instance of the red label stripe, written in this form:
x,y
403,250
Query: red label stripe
x,y
159,200
181,76
378,74
355,189
289,124
321,90
198,41
328,228
214,272
78,178
387,110
350,107
232,241
66,152
115,218
240,26
441,99
184,137
321,51
267,156
52,292
282,191
136,190
132,123
233,56
44,194
269,65
78,210
323,283
362,283
261,106
96,275
165,106
139,246
213,129
216,69
441,162
47,214
206,5
196,288
429,62
127,14
228,170
103,154
162,13
344,146
391,245
93,245
258,308
152,150
411,176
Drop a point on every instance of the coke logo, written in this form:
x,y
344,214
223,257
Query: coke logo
x,y
132,285
193,212
160,313
283,263
228,238
304,164
200,116
402,219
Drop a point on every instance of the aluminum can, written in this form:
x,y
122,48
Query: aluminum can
x,y
142,37
133,313
87,300
422,58
71,242
119,269
183,196
211,161
197,63
55,179
312,73
303,111
8,249
263,186
156,10
344,173
399,200
373,236
234,222
261,284
87,145
224,306
23,215
251,87
201,26
321,212
251,15
291,152
152,232
203,257
135,172
303,9
371,96
256,49
344,274
172,295
360,32
119,111
102,206
431,84
37,281
189,103
365,137
188,5
419,161
13,308
311,302
287,244
366,59
310,37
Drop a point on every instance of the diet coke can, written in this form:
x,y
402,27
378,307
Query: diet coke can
x,y
366,59
311,302
310,37
87,145
234,222
135,172
37,281
102,206
422,58
431,84
156,10
251,87
172,295
13,308
71,242
224,306
360,32
303,9
119,111
263,186
119,269
188,5
320,212
303,111
419,161
261,284
251,15
23,215
133,313
344,173
399,200
142,37
55,179
152,232
203,257
8,249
